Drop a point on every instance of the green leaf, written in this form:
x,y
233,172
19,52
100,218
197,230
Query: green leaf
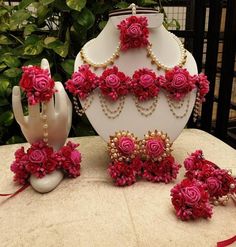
x,y
4,27
61,5
33,49
3,11
122,5
49,40
24,3
4,84
6,118
68,66
12,72
102,24
4,101
42,12
34,61
46,2
15,139
86,18
11,61
4,40
57,77
59,47
76,4
18,17
30,28
2,66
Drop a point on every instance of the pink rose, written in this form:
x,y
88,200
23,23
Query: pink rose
x,y
112,81
37,156
75,157
155,147
179,81
126,145
213,185
146,80
41,82
189,164
191,195
78,79
134,30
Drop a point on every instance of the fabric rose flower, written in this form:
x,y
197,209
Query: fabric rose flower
x,y
40,160
126,145
69,159
145,84
155,147
114,83
37,84
37,156
82,82
178,82
164,171
133,32
191,200
213,185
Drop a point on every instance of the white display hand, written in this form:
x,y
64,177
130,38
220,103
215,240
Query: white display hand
x,y
59,116
58,111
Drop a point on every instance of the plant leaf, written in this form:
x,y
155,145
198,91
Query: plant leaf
x,y
46,2
12,72
59,47
11,61
18,17
15,139
68,66
4,40
3,11
24,3
6,118
49,40
86,18
4,84
30,28
122,5
76,4
2,66
102,24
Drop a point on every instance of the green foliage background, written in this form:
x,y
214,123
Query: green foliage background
x,y
52,29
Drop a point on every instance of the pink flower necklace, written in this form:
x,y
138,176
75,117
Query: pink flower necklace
x,y
144,85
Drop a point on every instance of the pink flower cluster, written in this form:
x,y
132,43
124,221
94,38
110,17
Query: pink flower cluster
x,y
40,159
114,83
82,82
205,183
191,200
133,32
144,84
126,173
178,82
155,147
37,84
218,181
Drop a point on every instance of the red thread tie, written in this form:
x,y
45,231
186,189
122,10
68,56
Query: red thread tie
x,y
226,242
17,192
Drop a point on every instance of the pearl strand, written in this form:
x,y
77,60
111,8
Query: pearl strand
x,y
154,59
108,61
146,111
45,123
87,104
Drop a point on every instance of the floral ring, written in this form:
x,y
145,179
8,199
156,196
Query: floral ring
x,y
155,146
123,146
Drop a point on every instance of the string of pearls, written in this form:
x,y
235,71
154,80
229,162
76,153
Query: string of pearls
x,y
45,122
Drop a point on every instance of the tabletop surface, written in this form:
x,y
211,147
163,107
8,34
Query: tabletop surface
x,y
91,211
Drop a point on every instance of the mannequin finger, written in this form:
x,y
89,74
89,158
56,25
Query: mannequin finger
x,y
45,65
34,110
60,98
17,106
50,108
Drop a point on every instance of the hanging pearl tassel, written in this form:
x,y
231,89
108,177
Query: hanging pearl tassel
x,y
45,123
133,6
196,108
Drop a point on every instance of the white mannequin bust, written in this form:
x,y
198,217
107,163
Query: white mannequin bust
x,y
167,50
59,114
